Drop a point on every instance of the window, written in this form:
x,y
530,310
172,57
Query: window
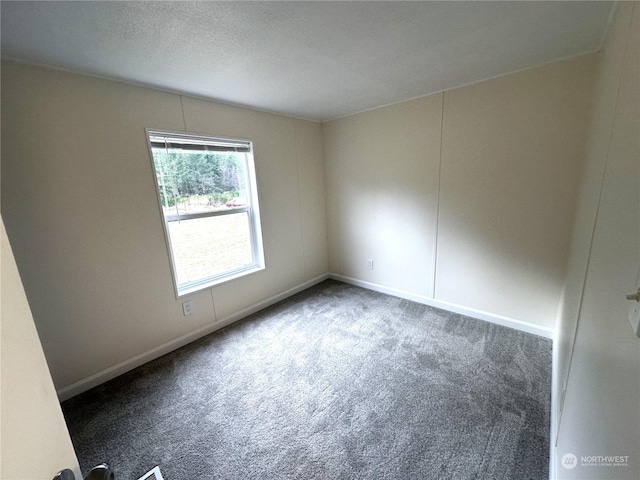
x,y
207,194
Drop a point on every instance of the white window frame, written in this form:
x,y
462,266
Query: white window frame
x,y
252,209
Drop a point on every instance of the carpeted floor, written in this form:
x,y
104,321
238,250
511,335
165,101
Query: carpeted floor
x,y
336,382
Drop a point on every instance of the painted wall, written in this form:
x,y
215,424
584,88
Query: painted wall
x,y
381,172
465,197
600,415
609,73
34,442
80,208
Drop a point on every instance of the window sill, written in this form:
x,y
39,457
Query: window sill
x,y
203,285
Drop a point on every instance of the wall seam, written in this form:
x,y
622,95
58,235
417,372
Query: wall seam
x,y
184,119
297,159
437,230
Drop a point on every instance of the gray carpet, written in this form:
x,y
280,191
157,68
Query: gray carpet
x,y
336,382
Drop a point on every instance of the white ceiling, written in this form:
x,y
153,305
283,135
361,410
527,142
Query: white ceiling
x,y
316,60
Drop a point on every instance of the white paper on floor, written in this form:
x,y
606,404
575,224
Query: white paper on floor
x,y
152,475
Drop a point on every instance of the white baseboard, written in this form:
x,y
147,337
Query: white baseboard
x,y
105,375
556,391
451,307
123,367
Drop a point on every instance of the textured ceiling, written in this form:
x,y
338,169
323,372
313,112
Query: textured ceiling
x,y
316,60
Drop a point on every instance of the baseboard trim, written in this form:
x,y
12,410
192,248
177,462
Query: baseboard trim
x,y
556,392
109,373
451,307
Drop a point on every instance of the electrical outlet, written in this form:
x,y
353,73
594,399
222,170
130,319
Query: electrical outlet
x,y
187,307
369,264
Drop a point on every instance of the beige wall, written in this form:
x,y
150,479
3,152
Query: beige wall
x,y
80,208
34,442
382,193
500,191
609,73
601,414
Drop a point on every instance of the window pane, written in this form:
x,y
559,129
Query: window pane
x,y
196,182
207,192
205,247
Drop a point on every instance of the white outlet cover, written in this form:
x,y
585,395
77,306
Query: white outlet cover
x,y
187,307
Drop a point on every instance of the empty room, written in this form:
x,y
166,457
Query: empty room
x,y
318,240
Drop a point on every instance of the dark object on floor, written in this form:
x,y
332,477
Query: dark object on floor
x,y
99,472
335,382
65,474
